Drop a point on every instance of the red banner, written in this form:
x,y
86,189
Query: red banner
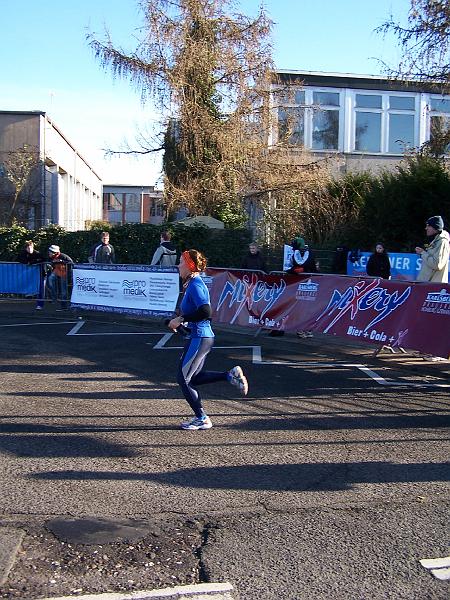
x,y
395,313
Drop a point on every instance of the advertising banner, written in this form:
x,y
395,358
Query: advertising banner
x,y
404,266
131,289
414,316
16,278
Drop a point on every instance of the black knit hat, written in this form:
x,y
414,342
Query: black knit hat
x,y
436,223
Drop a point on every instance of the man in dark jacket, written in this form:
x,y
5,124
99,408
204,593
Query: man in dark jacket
x,y
57,279
254,259
30,256
103,252
166,253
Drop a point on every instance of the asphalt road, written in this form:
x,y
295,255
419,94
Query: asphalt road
x,y
330,480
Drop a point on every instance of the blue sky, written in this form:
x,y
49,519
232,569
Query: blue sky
x,y
47,64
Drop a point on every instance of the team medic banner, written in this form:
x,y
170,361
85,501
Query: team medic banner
x,y
378,311
131,289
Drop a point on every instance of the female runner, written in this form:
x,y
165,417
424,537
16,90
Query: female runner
x,y
195,310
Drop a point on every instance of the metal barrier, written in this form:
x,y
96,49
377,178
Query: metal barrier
x,y
44,282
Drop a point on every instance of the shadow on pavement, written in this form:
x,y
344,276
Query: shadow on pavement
x,y
295,477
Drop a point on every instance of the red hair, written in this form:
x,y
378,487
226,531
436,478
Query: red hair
x,y
190,263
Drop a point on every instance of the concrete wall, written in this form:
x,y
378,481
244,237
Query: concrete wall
x,y
71,191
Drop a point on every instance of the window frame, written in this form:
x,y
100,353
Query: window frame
x,y
435,113
308,115
420,112
385,111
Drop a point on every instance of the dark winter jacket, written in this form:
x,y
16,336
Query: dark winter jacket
x,y
102,254
165,255
256,262
378,265
26,258
303,261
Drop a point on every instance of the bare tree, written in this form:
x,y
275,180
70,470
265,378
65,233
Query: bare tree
x,y
211,73
21,168
425,43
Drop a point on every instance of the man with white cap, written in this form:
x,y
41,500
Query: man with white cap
x,y
57,279
435,255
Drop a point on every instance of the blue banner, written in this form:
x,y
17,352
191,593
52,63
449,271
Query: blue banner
x,y
16,278
403,266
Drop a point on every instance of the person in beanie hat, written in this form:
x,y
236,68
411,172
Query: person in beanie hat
x,y
435,255
57,279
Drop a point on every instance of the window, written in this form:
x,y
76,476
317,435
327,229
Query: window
x,y
291,128
122,207
368,132
114,207
309,118
325,121
384,123
440,124
132,208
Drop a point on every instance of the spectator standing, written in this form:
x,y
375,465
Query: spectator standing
x,y
166,253
339,264
254,259
435,255
29,256
302,260
378,264
57,279
102,252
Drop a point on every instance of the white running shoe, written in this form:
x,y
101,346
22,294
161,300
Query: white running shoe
x,y
238,379
197,423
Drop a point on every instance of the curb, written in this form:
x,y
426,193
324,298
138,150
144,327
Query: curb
x,y
200,591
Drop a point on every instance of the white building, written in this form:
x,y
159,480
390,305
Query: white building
x,y
69,191
371,121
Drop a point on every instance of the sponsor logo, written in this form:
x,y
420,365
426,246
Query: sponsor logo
x,y
307,290
134,288
364,295
249,291
442,297
207,280
85,284
437,303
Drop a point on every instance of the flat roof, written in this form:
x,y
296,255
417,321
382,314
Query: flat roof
x,y
355,80
42,113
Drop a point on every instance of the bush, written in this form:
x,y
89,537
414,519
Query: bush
x,y
392,207
134,243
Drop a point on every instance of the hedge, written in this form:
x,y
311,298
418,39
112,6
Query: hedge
x,y
134,243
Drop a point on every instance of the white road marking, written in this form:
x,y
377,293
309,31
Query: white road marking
x,y
257,360
32,324
256,354
79,325
383,381
76,328
165,338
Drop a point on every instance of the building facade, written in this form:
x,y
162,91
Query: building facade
x,y
133,204
368,120
66,190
